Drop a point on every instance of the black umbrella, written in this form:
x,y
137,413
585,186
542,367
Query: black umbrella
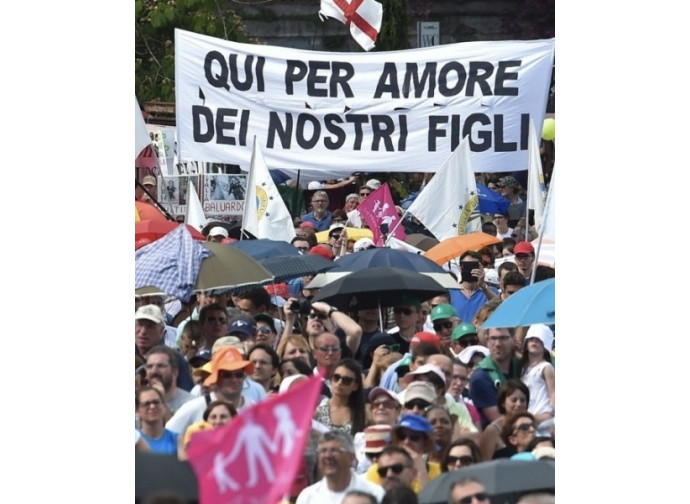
x,y
163,474
378,287
294,266
504,479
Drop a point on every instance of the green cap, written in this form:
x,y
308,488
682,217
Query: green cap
x,y
443,311
461,330
407,299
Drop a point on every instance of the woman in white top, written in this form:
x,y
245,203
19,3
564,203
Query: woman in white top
x,y
538,374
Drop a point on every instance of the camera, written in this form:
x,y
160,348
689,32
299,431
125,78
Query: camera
x,y
302,306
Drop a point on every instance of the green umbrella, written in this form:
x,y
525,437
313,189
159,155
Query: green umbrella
x,y
229,268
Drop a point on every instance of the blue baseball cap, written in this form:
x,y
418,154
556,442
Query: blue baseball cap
x,y
242,326
414,422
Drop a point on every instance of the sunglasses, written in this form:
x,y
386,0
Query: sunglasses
x,y
148,404
480,496
525,427
320,316
345,380
326,349
384,404
404,311
464,342
231,374
335,236
396,468
364,193
464,460
220,320
412,436
303,249
447,324
264,330
417,403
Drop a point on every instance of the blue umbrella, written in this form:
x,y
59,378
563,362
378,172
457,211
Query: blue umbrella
x,y
490,201
294,266
264,248
534,304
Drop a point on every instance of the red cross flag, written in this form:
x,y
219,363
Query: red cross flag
x,y
363,17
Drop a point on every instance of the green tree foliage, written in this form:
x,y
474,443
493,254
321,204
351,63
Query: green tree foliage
x,y
394,27
156,21
533,19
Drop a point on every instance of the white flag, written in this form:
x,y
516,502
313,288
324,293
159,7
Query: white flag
x,y
362,16
265,213
536,191
141,136
354,218
449,204
195,215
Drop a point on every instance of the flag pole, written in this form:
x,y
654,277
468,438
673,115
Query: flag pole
x,y
536,256
155,201
295,200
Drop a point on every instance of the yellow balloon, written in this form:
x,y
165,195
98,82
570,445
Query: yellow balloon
x,y
548,131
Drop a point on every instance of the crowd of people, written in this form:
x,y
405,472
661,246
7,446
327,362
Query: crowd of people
x,y
409,393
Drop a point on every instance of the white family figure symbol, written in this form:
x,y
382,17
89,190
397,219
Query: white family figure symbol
x,y
258,447
285,429
381,213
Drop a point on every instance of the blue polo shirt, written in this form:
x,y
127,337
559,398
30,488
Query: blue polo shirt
x,y
320,225
166,444
467,308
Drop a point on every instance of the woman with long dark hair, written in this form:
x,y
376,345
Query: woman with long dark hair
x,y
345,410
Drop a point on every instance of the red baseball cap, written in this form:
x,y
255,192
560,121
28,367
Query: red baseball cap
x,y
523,247
324,252
425,337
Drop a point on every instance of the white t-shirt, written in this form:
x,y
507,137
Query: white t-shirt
x,y
192,412
318,493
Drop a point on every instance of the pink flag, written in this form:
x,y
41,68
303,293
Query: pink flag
x,y
380,214
254,458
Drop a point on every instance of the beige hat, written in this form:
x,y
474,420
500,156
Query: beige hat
x,y
149,180
420,390
150,312
225,341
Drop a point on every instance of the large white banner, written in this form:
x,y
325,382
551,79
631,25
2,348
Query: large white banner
x,y
330,114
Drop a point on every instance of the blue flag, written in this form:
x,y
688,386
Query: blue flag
x,y
490,201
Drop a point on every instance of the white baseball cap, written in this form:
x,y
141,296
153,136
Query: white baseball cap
x,y
150,312
373,184
219,230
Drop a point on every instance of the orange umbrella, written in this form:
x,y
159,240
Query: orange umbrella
x,y
454,247
145,211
